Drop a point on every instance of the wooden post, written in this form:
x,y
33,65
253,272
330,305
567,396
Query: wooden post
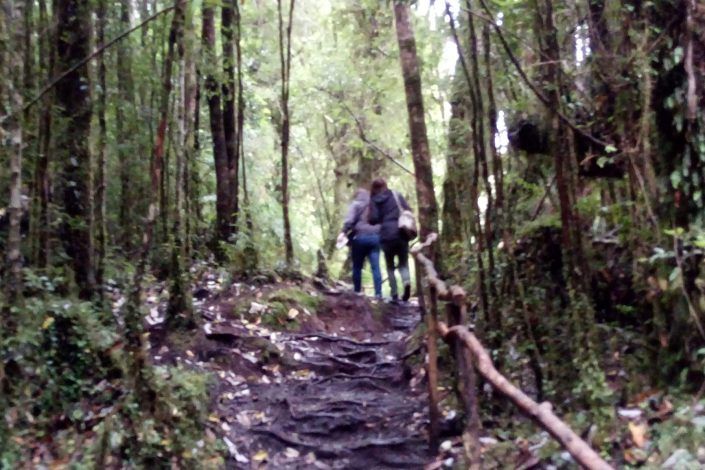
x,y
466,385
432,370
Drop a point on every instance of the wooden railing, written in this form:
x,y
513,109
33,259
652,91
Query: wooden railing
x,y
469,352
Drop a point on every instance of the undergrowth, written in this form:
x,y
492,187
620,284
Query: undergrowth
x,y
67,398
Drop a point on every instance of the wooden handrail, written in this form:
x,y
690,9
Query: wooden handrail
x,y
471,352
541,413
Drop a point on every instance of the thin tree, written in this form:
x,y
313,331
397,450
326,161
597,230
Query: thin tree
x,y
99,206
124,130
250,248
180,310
285,62
41,219
229,115
11,136
220,156
426,197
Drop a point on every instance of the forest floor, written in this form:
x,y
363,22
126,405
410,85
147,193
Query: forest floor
x,y
309,377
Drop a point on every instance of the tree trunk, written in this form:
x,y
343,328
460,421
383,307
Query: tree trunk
x,y
250,246
41,170
455,187
559,146
220,156
180,309
11,133
125,132
229,118
102,142
285,60
426,198
74,100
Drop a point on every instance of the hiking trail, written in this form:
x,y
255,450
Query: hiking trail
x,y
337,393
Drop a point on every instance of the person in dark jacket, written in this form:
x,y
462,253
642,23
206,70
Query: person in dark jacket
x,y
365,241
384,210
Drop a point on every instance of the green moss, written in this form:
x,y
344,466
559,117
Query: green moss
x,y
547,220
280,302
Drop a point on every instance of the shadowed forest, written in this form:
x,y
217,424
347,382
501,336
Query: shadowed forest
x,y
177,182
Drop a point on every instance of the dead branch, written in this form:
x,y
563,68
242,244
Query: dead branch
x,y
541,413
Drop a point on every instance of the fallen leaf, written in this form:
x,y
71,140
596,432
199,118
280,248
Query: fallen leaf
x,y
47,322
638,431
244,419
291,453
256,308
232,449
260,456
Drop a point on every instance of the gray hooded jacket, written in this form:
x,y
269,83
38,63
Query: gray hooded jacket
x,y
357,218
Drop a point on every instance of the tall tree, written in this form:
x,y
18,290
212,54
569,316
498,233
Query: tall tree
x,y
11,135
72,144
285,63
99,205
250,248
180,309
41,219
125,133
229,111
220,155
425,195
561,139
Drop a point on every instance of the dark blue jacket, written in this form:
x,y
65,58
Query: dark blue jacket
x,y
384,211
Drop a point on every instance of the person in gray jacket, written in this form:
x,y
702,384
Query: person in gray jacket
x,y
364,239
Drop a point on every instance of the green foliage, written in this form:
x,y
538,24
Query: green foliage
x,y
67,375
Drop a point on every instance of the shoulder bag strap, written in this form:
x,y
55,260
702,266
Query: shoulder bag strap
x,y
396,198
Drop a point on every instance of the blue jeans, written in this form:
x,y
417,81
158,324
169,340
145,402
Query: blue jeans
x,y
366,246
400,249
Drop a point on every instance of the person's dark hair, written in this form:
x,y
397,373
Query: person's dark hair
x,y
378,185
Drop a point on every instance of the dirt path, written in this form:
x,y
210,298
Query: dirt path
x,y
335,394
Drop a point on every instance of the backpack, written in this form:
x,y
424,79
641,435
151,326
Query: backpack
x,y
407,221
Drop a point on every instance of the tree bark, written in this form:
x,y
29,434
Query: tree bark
x,y
74,100
285,60
11,132
229,116
559,146
220,155
180,309
102,143
125,134
426,198
41,170
455,187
